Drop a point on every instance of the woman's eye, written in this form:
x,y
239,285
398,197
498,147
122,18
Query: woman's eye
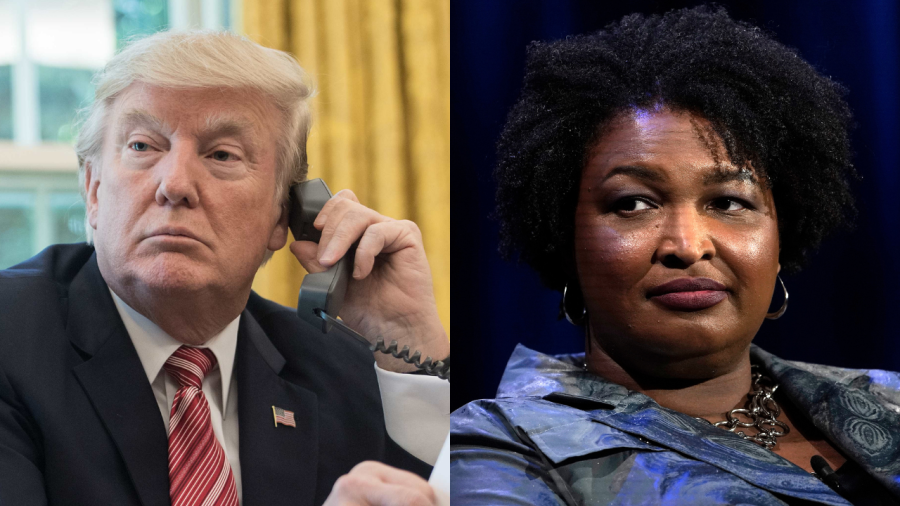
x,y
140,146
221,156
632,204
729,204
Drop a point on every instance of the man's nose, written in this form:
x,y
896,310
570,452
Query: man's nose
x,y
178,174
685,239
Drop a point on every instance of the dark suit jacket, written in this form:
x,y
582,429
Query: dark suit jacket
x,y
79,424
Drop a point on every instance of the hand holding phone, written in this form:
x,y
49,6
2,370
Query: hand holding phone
x,y
325,290
388,291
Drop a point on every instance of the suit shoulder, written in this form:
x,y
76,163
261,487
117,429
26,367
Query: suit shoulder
x,y
36,285
34,298
58,264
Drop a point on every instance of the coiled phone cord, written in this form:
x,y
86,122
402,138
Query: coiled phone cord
x,y
439,368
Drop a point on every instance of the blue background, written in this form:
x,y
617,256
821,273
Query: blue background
x,y
844,306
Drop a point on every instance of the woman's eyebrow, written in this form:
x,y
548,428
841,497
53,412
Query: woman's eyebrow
x,y
727,176
636,172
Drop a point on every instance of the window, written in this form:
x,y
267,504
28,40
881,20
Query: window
x,y
49,51
37,210
6,129
16,225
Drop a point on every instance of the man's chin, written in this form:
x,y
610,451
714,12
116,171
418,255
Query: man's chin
x,y
175,273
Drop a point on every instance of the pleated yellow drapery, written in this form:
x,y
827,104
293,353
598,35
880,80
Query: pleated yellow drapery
x,y
382,116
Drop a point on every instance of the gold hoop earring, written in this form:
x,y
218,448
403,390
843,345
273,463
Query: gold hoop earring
x,y
778,314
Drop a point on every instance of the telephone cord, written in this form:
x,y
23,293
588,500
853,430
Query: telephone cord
x,y
429,367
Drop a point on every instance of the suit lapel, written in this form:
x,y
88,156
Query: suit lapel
x,y
278,464
114,380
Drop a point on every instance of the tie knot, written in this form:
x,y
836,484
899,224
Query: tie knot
x,y
190,365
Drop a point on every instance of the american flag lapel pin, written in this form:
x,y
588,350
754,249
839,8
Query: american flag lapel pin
x,y
284,417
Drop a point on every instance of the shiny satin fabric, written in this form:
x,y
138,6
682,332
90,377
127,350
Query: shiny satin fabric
x,y
556,434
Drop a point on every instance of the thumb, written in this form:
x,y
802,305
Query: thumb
x,y
306,252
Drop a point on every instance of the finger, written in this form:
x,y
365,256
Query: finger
x,y
334,200
347,194
353,223
348,490
371,244
396,495
306,251
385,237
340,233
334,212
366,489
393,476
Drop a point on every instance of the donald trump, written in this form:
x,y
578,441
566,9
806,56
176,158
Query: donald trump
x,y
140,368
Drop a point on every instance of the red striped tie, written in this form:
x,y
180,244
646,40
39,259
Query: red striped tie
x,y
199,473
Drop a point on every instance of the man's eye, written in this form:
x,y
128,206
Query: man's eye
x,y
632,204
221,156
140,146
729,204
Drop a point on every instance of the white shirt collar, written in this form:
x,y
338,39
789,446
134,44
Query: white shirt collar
x,y
154,346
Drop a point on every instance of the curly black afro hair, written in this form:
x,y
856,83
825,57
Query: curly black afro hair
x,y
771,110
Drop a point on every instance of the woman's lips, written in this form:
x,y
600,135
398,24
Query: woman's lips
x,y
689,294
691,301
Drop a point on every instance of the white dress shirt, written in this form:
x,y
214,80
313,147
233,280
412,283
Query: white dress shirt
x,y
416,408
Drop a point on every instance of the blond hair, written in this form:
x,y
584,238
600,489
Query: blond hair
x,y
204,59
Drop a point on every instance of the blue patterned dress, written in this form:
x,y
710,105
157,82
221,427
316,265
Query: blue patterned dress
x,y
558,435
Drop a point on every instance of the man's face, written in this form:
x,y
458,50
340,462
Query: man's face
x,y
183,199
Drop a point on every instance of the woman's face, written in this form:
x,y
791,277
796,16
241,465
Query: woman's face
x,y
655,208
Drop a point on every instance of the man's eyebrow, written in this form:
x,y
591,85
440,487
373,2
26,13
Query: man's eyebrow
x,y
636,172
216,125
227,125
721,176
140,117
223,126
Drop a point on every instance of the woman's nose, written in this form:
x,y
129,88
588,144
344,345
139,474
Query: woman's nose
x,y
685,240
178,172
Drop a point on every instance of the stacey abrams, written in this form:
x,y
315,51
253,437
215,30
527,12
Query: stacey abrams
x,y
661,173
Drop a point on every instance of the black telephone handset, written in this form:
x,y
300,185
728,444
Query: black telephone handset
x,y
322,294
322,291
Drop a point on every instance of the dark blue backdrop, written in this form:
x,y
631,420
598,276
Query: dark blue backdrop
x,y
844,304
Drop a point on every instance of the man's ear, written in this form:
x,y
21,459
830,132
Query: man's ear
x,y
279,234
91,187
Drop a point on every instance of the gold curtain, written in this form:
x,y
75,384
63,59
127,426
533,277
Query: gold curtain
x,y
381,119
